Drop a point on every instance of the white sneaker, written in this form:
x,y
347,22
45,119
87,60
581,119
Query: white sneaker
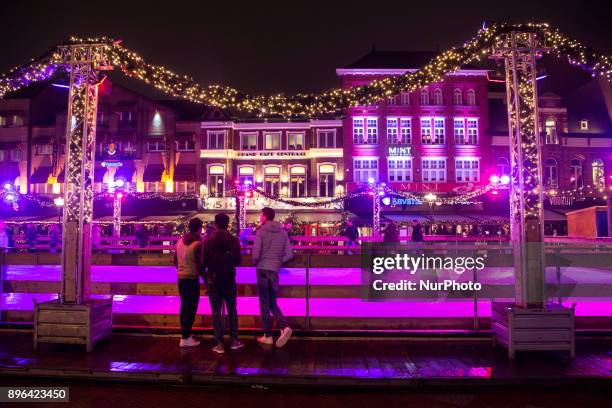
x,y
189,342
284,336
265,340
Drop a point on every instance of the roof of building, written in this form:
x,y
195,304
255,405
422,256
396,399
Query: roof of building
x,y
376,59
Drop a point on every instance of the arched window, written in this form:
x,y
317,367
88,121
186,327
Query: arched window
x,y
576,173
551,131
297,181
503,167
471,97
438,97
424,97
216,180
272,180
457,97
551,179
599,179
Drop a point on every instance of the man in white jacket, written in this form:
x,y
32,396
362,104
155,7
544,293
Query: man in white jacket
x,y
272,247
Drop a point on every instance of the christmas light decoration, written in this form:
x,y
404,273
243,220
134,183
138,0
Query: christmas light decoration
x,y
312,105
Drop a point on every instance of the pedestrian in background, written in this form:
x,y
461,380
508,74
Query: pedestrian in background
x,y
53,237
221,256
188,262
271,249
31,236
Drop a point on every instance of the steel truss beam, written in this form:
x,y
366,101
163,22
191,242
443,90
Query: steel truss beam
x,y
519,51
81,61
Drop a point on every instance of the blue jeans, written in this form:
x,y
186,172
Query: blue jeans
x,y
267,288
218,296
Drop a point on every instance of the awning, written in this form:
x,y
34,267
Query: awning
x,y
407,218
42,140
108,218
99,174
153,172
310,217
550,215
41,174
451,218
183,136
185,172
162,218
126,171
8,145
8,173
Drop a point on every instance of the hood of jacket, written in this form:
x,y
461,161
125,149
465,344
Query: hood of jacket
x,y
272,226
189,238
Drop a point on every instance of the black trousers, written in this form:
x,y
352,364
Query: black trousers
x,y
189,291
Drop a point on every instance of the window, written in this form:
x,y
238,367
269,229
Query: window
x,y
405,130
392,100
44,149
3,121
584,124
272,180
457,97
400,169
471,97
216,180
17,120
185,145
551,131
365,168
327,180
246,175
15,155
127,119
392,131
503,167
576,173
426,131
472,129
102,119
467,169
295,141
156,146
459,130
438,131
551,175
358,131
297,181
424,97
438,100
1,155
434,169
599,180
272,141
372,131
326,138
248,141
216,140
154,187
184,187
405,96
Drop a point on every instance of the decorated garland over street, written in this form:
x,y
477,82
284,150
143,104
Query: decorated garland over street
x,y
312,105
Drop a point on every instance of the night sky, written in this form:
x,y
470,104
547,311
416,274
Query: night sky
x,y
264,47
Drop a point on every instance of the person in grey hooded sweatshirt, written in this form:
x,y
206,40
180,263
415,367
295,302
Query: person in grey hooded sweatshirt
x,y
272,247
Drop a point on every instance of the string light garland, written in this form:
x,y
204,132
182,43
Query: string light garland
x,y
313,105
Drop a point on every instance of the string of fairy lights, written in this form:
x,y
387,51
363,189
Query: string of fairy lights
x,y
313,105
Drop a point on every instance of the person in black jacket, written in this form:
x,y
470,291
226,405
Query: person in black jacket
x,y
221,256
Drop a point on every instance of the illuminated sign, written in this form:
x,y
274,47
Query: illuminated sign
x,y
561,201
270,154
392,202
399,151
111,164
257,203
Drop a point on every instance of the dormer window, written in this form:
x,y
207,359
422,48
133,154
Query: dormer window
x,y
584,124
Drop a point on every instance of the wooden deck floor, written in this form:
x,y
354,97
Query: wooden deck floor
x,y
375,362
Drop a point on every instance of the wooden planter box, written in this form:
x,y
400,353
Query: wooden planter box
x,y
85,324
518,329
